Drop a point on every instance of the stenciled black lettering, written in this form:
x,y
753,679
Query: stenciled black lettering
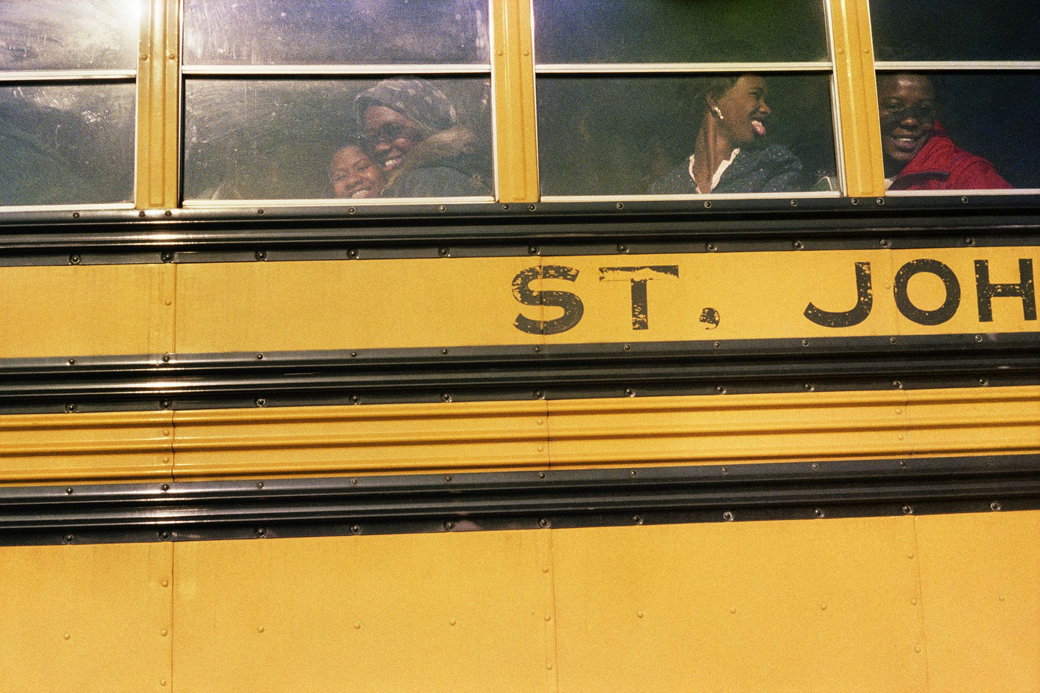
x,y
927,317
638,277
987,291
572,306
854,316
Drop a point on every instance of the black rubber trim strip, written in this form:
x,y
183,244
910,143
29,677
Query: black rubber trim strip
x,y
244,509
551,229
199,381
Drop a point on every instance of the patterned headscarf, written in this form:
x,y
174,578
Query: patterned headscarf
x,y
413,97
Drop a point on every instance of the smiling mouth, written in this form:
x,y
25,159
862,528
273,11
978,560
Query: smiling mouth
x,y
391,162
758,126
905,143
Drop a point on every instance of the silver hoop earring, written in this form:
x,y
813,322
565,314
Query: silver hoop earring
x,y
717,112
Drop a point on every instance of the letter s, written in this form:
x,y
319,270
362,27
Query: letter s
x,y
572,306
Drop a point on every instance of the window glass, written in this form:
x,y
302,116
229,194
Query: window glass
x,y
634,135
68,34
956,29
959,131
66,144
351,32
305,138
577,31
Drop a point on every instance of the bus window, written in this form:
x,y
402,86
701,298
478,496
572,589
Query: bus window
x,y
67,101
955,30
955,99
665,98
68,34
572,31
274,139
275,90
629,135
343,32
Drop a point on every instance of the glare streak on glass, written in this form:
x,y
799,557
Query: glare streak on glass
x,y
659,31
276,139
68,34
66,144
345,32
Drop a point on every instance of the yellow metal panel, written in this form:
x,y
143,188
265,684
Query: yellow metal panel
x,y
857,97
85,310
728,428
445,612
158,96
367,304
977,421
516,120
760,607
979,585
470,436
86,618
52,448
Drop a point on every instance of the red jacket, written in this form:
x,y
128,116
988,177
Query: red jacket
x,y
942,166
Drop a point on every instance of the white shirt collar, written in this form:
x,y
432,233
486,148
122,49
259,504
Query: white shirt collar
x,y
718,172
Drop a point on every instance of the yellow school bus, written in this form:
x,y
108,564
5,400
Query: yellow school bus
x,y
519,345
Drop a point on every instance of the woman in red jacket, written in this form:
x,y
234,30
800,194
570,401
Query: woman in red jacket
x,y
918,154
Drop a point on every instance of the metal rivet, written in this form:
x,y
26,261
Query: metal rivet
x,y
880,200
854,200
259,357
720,390
805,342
353,354
352,253
794,203
353,482
549,666
504,207
165,583
978,338
633,473
548,617
354,399
261,255
627,347
823,607
969,241
545,569
259,484
166,358
260,629
815,466
622,248
451,621
162,682
809,387
964,200
444,351
995,506
259,211
75,215
711,247
357,625
261,402
798,245
69,538
733,609
72,362
447,479
725,470
539,395
727,516
140,214
983,382
355,529
913,602
69,490
537,350
165,487
351,210
446,397
74,259
164,535
70,407
637,519
629,392
166,257
891,340
707,204
620,205
884,243
532,250
166,460
541,475
443,251
917,648
544,522
442,208
640,614
902,463
531,208
908,509
1001,597
716,345
897,384
819,512
163,632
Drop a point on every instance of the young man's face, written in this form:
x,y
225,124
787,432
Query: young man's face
x,y
906,105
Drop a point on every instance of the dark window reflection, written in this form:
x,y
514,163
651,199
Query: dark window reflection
x,y
955,29
307,139
68,34
959,131
66,144
635,135
577,31
352,32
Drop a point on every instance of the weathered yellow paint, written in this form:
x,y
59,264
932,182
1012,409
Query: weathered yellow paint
x,y
444,612
111,446
459,436
86,310
766,606
853,55
86,618
980,602
977,421
512,69
158,103
268,306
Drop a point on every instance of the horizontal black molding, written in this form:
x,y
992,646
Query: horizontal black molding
x,y
449,373
292,233
363,505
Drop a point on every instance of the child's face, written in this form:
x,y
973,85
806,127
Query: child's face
x,y
355,175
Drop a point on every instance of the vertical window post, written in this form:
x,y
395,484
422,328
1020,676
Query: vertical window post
x,y
158,103
512,68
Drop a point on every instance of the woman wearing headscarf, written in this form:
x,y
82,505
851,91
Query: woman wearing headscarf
x,y
918,154
729,155
412,131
